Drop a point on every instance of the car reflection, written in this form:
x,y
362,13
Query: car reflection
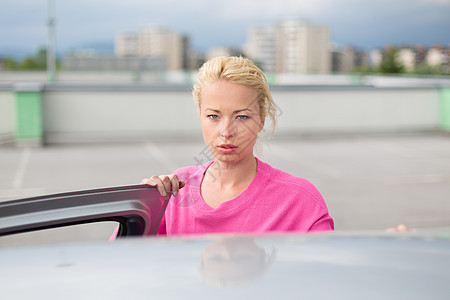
x,y
234,261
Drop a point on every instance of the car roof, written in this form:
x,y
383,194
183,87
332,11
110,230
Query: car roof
x,y
270,266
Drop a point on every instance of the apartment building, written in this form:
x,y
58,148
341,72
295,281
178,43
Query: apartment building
x,y
437,56
261,47
407,57
290,46
413,57
155,42
126,44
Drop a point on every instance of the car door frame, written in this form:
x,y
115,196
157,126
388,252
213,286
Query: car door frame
x,y
138,209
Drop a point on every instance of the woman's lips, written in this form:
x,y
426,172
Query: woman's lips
x,y
227,148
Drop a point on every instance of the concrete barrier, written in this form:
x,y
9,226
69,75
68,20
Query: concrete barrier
x,y
98,112
445,108
347,110
7,114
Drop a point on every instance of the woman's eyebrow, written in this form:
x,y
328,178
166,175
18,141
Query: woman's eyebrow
x,y
234,112
242,110
213,110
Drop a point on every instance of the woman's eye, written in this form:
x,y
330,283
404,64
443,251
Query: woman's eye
x,y
241,117
213,117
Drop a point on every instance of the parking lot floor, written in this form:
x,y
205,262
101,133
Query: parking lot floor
x,y
368,182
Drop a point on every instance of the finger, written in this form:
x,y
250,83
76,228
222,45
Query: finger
x,y
159,185
175,184
402,228
148,181
167,184
399,228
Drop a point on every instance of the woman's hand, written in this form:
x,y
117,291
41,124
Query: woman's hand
x,y
400,228
166,184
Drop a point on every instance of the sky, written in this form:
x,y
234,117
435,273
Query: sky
x,y
366,24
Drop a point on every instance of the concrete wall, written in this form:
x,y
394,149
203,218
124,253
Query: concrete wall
x,y
135,112
132,115
118,115
7,115
357,110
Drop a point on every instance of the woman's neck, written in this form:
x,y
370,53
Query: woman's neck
x,y
232,174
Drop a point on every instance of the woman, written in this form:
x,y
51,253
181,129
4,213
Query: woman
x,y
236,192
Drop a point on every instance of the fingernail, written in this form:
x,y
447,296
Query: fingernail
x,y
175,193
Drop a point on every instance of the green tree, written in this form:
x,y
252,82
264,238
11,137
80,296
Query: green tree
x,y
389,63
28,64
35,62
424,69
10,64
41,58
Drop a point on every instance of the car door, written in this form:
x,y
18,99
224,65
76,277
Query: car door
x,y
138,209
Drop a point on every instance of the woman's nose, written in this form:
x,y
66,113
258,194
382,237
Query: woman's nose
x,y
228,129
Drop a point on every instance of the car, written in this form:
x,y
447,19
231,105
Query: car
x,y
141,265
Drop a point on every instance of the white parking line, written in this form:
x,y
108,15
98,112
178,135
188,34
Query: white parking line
x,y
20,172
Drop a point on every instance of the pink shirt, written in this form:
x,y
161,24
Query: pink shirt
x,y
274,201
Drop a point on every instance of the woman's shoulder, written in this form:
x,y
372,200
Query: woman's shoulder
x,y
284,180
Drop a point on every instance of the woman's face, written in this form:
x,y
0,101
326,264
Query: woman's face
x,y
230,119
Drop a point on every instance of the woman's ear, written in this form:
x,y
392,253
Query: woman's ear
x,y
261,126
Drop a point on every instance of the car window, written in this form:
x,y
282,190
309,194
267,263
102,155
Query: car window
x,y
81,232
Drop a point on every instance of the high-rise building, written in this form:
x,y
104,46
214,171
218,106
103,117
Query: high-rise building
x,y
302,48
155,42
291,46
126,44
261,47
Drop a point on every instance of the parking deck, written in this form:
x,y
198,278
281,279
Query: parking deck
x,y
368,182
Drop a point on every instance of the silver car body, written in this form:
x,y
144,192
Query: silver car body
x,y
350,265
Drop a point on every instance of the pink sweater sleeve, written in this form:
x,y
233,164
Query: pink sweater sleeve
x,y
325,223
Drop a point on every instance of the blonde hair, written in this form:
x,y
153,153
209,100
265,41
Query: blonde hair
x,y
242,71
